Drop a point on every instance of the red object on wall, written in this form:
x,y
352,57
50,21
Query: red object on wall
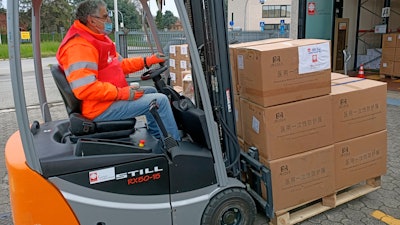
x,y
311,8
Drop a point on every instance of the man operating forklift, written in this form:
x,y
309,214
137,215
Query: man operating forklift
x,y
96,72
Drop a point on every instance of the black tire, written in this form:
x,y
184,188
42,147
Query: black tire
x,y
232,206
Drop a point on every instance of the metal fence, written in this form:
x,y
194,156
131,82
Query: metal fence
x,y
137,42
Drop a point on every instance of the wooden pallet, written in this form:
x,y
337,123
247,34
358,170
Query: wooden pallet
x,y
307,210
391,76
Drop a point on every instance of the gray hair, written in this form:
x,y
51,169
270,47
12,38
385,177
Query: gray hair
x,y
88,7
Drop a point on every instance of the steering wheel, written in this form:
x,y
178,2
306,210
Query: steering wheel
x,y
159,84
153,73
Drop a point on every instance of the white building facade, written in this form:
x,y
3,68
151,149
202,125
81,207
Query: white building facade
x,y
255,15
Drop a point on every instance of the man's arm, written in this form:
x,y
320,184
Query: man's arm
x,y
131,65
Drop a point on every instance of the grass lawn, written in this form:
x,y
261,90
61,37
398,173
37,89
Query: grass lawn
x,y
47,49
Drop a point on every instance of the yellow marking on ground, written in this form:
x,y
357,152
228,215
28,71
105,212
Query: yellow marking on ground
x,y
385,218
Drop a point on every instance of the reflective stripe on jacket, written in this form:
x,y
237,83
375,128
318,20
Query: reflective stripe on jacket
x,y
94,70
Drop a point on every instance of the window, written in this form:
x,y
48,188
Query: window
x,y
276,11
270,27
276,27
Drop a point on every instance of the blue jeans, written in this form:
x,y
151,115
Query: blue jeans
x,y
120,110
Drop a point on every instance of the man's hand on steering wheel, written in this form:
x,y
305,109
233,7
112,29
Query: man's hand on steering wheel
x,y
157,58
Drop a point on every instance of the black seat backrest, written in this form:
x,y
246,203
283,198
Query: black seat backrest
x,y
81,126
72,104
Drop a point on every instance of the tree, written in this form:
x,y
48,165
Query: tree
x,y
25,14
159,20
54,15
169,19
60,13
138,5
132,18
25,5
75,2
166,20
128,10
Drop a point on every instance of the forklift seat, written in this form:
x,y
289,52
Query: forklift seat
x,y
81,126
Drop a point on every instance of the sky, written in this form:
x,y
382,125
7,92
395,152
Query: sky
x,y
169,5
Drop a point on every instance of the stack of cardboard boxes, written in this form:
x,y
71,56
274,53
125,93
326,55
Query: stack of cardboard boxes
x,y
390,61
179,63
359,130
180,69
233,48
318,132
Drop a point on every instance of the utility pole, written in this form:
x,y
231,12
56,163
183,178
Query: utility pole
x,y
116,37
116,17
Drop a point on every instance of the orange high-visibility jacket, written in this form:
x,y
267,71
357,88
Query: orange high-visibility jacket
x,y
94,70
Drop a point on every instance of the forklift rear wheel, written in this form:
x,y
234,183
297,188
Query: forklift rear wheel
x,y
230,207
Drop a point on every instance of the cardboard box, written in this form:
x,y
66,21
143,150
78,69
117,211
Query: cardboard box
x,y
396,69
183,75
173,64
172,51
179,64
178,69
233,57
184,64
176,79
182,51
177,76
302,178
288,129
178,89
389,40
238,118
387,67
359,107
397,54
335,76
359,159
179,51
187,85
388,54
283,72
398,40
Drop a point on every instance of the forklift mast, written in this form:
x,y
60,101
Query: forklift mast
x,y
208,22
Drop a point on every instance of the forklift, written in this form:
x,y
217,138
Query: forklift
x,y
76,171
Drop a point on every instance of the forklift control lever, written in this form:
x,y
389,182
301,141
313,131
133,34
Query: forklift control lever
x,y
169,142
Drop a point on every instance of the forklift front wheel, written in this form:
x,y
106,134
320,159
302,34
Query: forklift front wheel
x,y
232,206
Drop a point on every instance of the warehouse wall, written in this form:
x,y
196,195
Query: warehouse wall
x,y
370,16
